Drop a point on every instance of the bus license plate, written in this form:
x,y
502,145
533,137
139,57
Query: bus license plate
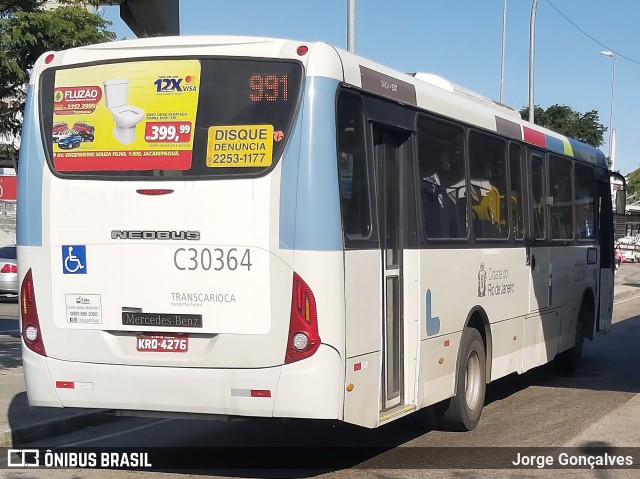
x,y
163,343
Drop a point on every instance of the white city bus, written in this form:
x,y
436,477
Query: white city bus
x,y
260,227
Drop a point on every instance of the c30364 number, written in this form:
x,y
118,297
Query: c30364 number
x,y
216,259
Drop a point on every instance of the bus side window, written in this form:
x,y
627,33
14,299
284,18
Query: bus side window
x,y
537,199
353,173
516,197
584,205
443,189
488,169
560,189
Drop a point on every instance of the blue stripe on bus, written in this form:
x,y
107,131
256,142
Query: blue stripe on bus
x,y
288,182
555,144
309,197
588,153
30,170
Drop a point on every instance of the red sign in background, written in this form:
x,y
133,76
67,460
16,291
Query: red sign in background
x,y
8,187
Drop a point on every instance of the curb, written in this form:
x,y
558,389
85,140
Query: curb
x,y
55,427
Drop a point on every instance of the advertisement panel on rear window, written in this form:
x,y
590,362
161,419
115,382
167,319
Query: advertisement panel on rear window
x,y
169,118
139,116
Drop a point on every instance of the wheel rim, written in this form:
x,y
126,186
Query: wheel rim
x,y
472,380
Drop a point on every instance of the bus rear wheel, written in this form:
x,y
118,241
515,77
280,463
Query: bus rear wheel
x,y
463,410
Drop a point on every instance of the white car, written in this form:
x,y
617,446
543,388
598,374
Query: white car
x,y
8,270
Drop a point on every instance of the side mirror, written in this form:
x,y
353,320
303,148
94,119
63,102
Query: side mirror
x,y
621,202
621,194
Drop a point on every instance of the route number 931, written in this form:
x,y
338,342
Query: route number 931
x,y
216,259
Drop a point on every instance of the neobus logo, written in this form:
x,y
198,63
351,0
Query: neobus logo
x,y
155,235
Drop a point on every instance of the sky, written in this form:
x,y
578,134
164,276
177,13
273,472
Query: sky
x,y
461,40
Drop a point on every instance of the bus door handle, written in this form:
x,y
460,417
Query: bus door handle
x,y
531,259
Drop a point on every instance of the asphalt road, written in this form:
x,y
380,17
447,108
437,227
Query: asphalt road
x,y
9,311
538,409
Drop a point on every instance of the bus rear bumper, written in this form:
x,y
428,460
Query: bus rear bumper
x,y
309,388
40,388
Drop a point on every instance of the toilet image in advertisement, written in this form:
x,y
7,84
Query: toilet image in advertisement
x,y
126,117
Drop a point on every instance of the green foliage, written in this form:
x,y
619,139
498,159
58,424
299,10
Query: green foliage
x,y
633,183
27,31
562,119
8,7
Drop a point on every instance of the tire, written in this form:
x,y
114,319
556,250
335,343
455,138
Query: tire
x,y
463,410
569,361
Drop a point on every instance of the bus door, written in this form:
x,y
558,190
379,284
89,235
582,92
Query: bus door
x,y
606,240
371,163
390,154
540,290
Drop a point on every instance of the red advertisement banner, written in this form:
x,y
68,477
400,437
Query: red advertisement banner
x,y
138,160
76,99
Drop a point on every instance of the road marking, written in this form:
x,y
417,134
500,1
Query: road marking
x,y
116,434
625,300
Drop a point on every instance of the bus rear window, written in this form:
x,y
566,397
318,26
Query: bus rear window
x,y
179,118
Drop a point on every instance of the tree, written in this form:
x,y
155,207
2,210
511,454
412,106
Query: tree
x,y
562,119
633,183
27,30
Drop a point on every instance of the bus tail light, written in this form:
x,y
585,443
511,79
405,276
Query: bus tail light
x,y
304,339
31,332
154,191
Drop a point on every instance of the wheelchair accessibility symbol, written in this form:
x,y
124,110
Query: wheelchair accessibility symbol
x,y
74,259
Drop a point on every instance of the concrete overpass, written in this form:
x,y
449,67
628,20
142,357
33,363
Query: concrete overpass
x,y
150,18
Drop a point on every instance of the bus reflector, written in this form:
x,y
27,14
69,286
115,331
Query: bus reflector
x,y
302,322
65,385
31,332
260,393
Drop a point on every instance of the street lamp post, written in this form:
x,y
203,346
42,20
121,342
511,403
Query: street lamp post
x,y
532,45
613,79
351,26
504,37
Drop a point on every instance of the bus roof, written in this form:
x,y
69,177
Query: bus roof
x,y
422,90
436,94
